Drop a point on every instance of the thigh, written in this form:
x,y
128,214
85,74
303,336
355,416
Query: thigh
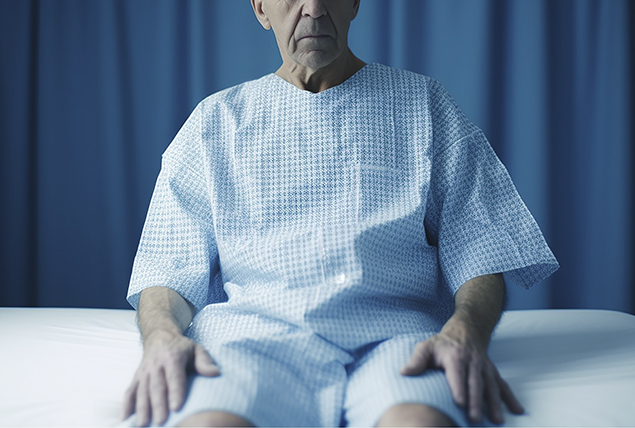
x,y
376,384
215,419
414,415
272,374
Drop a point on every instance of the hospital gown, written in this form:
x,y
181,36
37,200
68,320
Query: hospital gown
x,y
321,235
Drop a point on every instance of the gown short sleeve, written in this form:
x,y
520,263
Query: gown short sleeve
x,y
178,247
474,214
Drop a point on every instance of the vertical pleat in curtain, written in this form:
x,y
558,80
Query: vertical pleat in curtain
x,y
92,93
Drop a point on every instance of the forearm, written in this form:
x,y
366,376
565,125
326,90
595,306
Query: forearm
x,y
478,306
162,309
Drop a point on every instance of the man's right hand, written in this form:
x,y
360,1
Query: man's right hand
x,y
159,384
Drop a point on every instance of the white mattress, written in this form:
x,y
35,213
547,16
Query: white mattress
x,y
69,367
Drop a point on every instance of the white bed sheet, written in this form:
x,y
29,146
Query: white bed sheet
x,y
69,367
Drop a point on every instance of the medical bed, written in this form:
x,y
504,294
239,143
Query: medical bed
x,y
70,367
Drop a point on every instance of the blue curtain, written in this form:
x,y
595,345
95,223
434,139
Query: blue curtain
x,y
93,91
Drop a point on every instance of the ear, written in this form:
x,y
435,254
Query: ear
x,y
261,15
355,8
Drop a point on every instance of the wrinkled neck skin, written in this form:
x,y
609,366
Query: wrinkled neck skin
x,y
321,79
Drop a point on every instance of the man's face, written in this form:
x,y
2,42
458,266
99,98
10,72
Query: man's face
x,y
311,33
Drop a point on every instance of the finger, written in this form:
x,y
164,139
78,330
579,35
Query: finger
x,y
509,398
158,398
129,400
176,379
475,386
493,397
419,361
456,374
143,404
203,363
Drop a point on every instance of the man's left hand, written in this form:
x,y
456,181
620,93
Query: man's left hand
x,y
472,376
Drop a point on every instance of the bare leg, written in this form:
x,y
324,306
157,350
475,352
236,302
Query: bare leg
x,y
414,415
215,419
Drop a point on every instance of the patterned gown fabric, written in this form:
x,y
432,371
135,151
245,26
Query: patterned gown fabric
x,y
322,224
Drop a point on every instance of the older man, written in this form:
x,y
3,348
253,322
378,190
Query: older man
x,y
336,236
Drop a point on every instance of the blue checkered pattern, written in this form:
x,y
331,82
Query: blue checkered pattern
x,y
351,215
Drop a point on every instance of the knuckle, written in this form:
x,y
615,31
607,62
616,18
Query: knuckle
x,y
157,386
476,360
458,357
174,376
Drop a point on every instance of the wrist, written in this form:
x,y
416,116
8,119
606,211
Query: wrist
x,y
161,334
465,330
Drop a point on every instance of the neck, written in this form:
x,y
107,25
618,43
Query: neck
x,y
321,79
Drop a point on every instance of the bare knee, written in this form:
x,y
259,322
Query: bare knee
x,y
215,419
414,415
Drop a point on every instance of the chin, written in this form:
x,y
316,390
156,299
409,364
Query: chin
x,y
317,59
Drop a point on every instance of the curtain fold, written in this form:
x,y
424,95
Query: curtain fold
x,y
93,92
